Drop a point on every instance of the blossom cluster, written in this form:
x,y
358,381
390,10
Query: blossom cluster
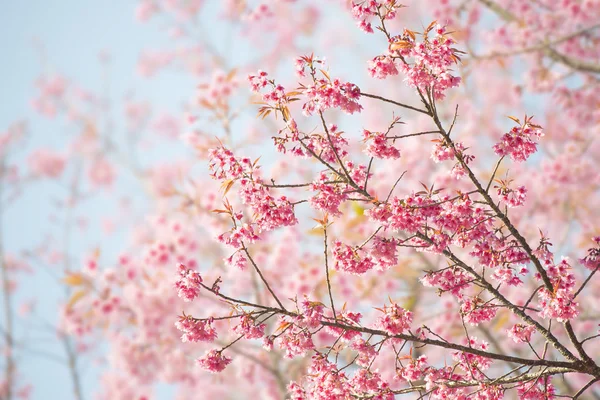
x,y
366,10
521,142
426,65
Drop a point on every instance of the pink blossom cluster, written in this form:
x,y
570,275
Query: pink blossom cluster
x,y
414,370
512,197
520,333
384,252
328,93
269,212
329,196
312,313
329,145
460,222
295,341
381,67
443,151
474,364
188,283
592,259
538,389
520,142
378,145
351,259
324,381
559,303
452,280
475,310
195,330
249,329
427,65
224,165
395,319
347,318
364,11
366,352
237,236
214,361
258,81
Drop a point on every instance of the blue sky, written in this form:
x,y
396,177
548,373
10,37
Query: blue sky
x,y
72,34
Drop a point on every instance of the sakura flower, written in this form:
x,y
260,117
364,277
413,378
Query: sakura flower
x,y
195,330
188,283
520,142
396,320
248,328
214,361
351,259
520,333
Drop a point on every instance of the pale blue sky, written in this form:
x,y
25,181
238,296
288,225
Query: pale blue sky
x,y
73,33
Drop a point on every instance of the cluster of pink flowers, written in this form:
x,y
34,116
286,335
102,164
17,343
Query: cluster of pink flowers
x,y
415,369
539,389
196,330
381,67
312,313
331,93
364,11
445,222
432,60
224,165
494,252
328,146
188,283
443,151
366,352
475,310
559,303
520,142
296,341
329,197
378,145
270,212
509,274
435,380
512,197
520,333
258,81
322,382
592,259
452,280
237,236
384,252
474,364
395,319
348,318
398,215
214,361
371,385
248,328
351,259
